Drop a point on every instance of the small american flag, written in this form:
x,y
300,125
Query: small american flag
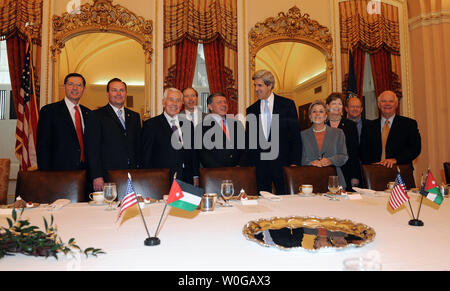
x,y
129,199
398,195
27,117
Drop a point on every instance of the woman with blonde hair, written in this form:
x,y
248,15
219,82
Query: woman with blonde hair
x,y
323,145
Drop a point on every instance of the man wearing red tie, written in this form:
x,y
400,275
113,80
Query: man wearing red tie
x,y
60,141
221,135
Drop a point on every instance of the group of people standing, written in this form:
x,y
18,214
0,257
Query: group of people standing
x,y
72,137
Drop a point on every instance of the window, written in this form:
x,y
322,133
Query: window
x,y
370,106
5,84
200,82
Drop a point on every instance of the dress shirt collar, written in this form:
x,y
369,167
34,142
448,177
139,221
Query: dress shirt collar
x,y
170,118
117,109
383,121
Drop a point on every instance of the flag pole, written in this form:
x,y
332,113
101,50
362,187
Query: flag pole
x,y
414,221
154,240
140,211
410,207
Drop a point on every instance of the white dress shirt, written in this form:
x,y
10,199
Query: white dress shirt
x,y
383,121
71,108
263,116
170,120
196,114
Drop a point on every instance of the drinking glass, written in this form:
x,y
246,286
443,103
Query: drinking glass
x,y
110,193
333,184
227,191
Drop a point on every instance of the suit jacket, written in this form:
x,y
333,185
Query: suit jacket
x,y
227,154
110,146
57,146
352,168
157,150
333,148
290,144
403,143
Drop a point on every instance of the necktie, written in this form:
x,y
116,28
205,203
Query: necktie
x,y
122,120
79,130
384,137
224,128
175,130
268,118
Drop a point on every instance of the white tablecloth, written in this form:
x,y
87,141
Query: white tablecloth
x,y
214,241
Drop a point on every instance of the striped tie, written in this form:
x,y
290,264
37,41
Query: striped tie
x,y
122,120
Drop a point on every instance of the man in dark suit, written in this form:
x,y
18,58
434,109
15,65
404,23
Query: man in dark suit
x,y
272,134
60,143
167,141
354,109
391,139
113,135
221,135
190,101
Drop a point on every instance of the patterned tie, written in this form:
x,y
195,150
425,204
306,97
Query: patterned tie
x,y
384,137
224,128
122,120
175,130
268,118
79,129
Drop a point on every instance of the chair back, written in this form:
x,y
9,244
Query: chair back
x,y
4,179
298,175
152,183
447,172
242,177
47,186
376,177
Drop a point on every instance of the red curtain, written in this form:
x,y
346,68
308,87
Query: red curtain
x,y
216,71
185,63
16,50
215,65
359,60
381,70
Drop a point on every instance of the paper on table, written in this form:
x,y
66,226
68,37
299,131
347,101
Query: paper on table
x,y
270,196
59,203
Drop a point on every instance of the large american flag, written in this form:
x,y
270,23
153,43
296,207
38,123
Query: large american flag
x,y
27,118
398,194
129,200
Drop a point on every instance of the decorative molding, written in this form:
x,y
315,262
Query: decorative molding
x,y
429,19
291,26
102,16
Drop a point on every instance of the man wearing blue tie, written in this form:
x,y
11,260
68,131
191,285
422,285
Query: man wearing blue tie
x,y
277,122
114,135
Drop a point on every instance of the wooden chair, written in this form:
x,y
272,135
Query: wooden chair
x,y
298,175
242,177
447,172
47,186
152,183
376,177
4,180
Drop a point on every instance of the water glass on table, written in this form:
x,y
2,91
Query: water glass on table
x,y
227,191
110,194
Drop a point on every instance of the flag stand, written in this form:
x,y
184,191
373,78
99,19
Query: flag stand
x,y
154,240
417,222
149,241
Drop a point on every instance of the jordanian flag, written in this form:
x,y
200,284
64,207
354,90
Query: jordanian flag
x,y
184,196
431,189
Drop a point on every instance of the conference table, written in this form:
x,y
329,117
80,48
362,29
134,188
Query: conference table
x,y
213,241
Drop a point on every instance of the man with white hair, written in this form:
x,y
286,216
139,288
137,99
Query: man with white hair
x,y
167,141
391,139
275,121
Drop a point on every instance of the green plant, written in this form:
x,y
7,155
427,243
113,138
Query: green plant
x,y
21,237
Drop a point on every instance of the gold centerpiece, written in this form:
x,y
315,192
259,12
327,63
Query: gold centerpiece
x,y
309,233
